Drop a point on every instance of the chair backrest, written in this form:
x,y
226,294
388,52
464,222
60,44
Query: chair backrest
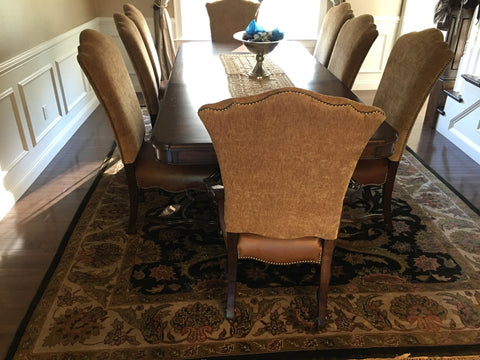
x,y
331,25
354,40
141,23
229,16
103,65
414,65
286,158
137,52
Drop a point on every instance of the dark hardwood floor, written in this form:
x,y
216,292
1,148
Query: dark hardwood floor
x,y
456,168
32,231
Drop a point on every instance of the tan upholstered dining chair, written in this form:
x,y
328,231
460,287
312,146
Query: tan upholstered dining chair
x,y
138,54
263,143
103,65
141,23
354,40
331,25
229,16
414,64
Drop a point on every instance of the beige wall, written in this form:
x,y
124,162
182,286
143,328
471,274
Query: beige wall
x,y
27,23
377,7
108,7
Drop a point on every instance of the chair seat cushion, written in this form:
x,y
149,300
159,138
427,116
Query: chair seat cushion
x,y
279,251
152,173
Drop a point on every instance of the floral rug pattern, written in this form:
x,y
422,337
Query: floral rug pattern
x,y
161,293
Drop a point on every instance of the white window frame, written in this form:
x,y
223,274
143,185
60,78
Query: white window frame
x,y
308,42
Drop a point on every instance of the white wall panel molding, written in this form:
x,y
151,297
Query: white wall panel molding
x,y
27,172
72,84
12,148
44,99
41,103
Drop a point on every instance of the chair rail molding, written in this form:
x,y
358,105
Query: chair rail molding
x,y
44,99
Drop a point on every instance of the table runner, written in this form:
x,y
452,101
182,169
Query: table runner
x,y
237,67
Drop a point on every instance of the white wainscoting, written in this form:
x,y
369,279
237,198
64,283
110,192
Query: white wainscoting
x,y
44,99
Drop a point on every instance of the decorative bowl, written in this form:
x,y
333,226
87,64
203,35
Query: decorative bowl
x,y
259,48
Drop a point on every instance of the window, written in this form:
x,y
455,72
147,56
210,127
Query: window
x,y
298,19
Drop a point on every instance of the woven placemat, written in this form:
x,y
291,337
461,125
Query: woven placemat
x,y
237,67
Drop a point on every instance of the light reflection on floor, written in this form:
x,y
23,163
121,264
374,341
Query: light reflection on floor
x,y
36,205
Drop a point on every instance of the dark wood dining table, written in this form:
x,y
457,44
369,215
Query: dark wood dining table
x,y
198,77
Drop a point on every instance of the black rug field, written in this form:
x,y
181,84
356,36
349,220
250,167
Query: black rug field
x,y
161,294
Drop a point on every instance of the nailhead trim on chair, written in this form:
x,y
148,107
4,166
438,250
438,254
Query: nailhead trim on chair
x,y
280,263
288,91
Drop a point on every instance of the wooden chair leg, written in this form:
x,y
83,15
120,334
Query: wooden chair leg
x,y
325,273
232,260
133,195
387,194
368,197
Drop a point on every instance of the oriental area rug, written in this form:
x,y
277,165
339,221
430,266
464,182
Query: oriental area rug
x,y
160,294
